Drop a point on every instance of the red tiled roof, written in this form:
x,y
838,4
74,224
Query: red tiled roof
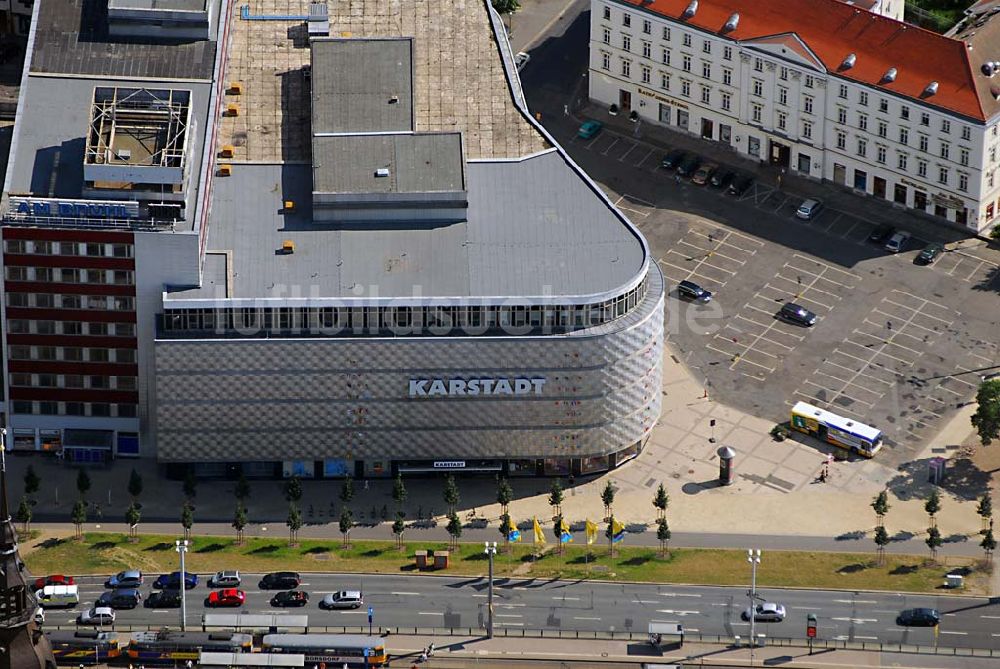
x,y
833,29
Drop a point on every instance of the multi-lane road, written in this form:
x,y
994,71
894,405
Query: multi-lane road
x,y
531,604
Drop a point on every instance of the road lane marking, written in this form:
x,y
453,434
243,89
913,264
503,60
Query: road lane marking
x,y
584,618
412,594
568,599
429,613
955,633
644,601
509,615
483,596
679,613
991,617
857,621
505,624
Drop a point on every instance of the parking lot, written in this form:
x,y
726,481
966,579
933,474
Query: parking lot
x,y
897,345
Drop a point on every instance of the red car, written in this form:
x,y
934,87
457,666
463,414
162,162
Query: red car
x,y
55,579
227,597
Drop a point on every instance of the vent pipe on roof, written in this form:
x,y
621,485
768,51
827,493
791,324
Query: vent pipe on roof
x,y
989,68
889,76
691,10
995,92
733,22
849,61
931,88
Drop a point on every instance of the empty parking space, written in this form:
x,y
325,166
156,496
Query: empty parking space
x,y
709,256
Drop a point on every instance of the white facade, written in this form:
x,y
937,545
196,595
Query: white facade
x,y
770,99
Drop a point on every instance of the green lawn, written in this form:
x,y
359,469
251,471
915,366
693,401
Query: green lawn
x,y
106,553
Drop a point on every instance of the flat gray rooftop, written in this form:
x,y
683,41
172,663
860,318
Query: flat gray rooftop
x,y
416,163
362,85
72,38
176,5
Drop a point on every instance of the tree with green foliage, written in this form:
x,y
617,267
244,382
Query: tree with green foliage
x,y
454,529
986,420
79,516
557,522
294,523
988,544
506,527
240,522
610,534
242,489
187,518
292,489
506,6
32,483
663,535
985,509
933,540
661,501
134,485
881,541
881,506
450,494
346,523
608,497
347,490
398,527
505,494
933,506
190,484
23,514
556,498
132,517
399,493
83,483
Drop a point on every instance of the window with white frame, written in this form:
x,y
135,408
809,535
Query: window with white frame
x,y
862,148
901,160
863,121
782,120
686,63
706,46
782,95
842,115
942,175
607,35
607,13
647,27
727,53
921,168
963,181
945,126
758,88
841,140
883,128
727,76
880,154
807,104
626,68
883,105
923,142
706,95
989,180
758,65
807,130
605,60
904,136
756,112
925,118
686,88
664,81
993,154
666,33
626,19
842,92
665,56
645,74
945,150
727,101
809,81
706,70
647,49
904,112
783,73
966,133
626,43
687,39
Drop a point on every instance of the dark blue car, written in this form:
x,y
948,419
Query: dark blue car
x,y
172,581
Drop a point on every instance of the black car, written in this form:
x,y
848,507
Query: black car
x,y
280,580
692,291
930,253
124,598
921,617
740,185
881,234
722,178
799,315
290,598
688,166
164,599
673,159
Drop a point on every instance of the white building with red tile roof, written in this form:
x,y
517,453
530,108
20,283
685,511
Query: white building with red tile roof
x,y
824,88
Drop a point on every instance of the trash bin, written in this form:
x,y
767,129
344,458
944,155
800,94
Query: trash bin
x,y
441,560
421,559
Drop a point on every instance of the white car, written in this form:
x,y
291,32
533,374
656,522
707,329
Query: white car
x,y
766,612
225,579
100,615
897,242
345,599
808,209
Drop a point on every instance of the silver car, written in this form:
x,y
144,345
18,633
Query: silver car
x,y
99,615
897,242
225,579
345,599
809,209
766,612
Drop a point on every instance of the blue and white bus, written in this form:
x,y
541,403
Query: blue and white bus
x,y
850,434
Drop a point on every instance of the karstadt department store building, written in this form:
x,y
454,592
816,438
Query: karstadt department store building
x,y
410,279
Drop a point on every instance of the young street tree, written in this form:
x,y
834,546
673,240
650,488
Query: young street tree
x,y
610,534
346,523
23,514
661,500
132,517
79,516
191,484
32,483
985,509
881,541
187,519
450,494
454,528
881,506
557,522
988,544
83,483
504,496
399,493
506,527
663,535
608,497
240,522
933,506
134,485
292,489
556,498
242,489
347,490
398,527
933,540
294,523
986,420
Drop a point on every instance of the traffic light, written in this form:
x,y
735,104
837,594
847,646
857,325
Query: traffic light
x,y
811,626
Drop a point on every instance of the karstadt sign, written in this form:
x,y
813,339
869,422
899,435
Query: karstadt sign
x,y
475,387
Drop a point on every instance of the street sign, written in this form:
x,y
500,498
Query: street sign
x,y
371,613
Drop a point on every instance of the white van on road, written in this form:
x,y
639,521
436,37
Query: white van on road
x,y
52,596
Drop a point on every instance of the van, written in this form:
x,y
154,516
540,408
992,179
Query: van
x,y
52,596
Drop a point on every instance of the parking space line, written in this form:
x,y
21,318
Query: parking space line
x,y
850,229
605,151
881,351
742,359
839,394
915,325
834,222
889,341
643,159
781,204
631,149
975,271
840,409
711,252
851,370
836,378
750,320
922,299
813,288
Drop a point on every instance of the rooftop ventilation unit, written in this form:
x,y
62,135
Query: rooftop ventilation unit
x,y
989,68
733,22
995,92
691,10
849,61
382,172
931,88
889,76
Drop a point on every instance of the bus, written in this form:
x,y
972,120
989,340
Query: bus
x,y
334,649
172,648
862,439
85,646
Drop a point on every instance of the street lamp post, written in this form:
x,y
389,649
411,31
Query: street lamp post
x,y
491,550
182,547
753,557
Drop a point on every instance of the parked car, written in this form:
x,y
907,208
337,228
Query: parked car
x,y
688,166
921,617
704,173
225,579
290,598
99,615
897,242
692,291
521,59
589,129
673,159
280,580
794,313
123,598
130,578
809,209
740,184
55,579
52,596
172,581
345,599
164,599
765,612
881,234
225,597
722,178
930,253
